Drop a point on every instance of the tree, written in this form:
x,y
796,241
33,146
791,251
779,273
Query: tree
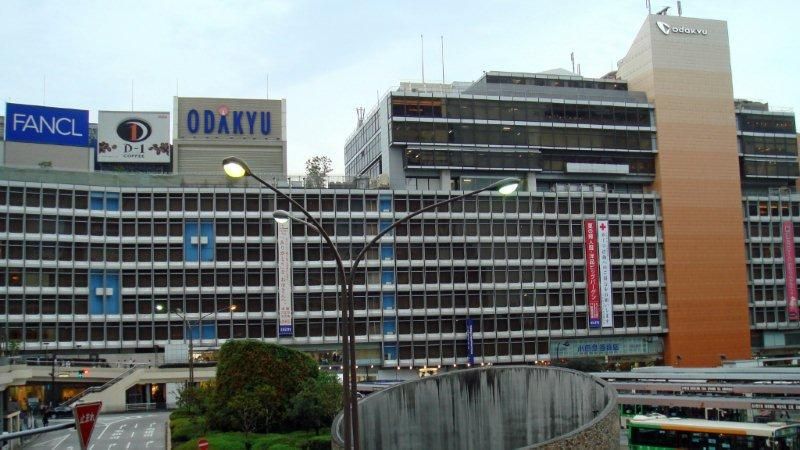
x,y
272,373
317,403
317,169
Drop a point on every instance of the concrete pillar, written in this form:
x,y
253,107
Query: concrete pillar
x,y
147,392
444,180
531,181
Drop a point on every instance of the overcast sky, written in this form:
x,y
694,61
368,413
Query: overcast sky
x,y
329,57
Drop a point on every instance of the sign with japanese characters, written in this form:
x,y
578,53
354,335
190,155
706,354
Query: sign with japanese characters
x,y
592,278
790,270
604,258
284,280
85,419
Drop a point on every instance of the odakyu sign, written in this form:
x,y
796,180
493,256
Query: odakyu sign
x,y
47,125
218,118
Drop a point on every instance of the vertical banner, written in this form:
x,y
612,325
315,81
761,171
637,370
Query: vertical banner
x,y
604,258
789,269
592,280
470,343
284,280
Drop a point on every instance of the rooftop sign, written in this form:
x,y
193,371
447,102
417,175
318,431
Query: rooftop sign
x,y
667,29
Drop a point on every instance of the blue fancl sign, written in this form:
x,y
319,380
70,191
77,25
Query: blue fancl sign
x,y
45,125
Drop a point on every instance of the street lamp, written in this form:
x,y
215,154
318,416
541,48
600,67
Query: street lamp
x,y
236,168
186,323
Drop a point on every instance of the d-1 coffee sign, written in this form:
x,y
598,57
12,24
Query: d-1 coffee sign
x,y
133,137
46,125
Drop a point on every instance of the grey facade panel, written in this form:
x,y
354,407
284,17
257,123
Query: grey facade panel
x,y
57,157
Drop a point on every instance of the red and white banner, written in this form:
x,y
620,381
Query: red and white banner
x,y
604,261
789,269
592,278
85,418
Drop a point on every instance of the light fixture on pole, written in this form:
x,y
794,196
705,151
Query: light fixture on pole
x,y
236,168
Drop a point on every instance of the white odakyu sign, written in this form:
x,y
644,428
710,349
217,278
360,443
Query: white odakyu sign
x,y
667,29
133,137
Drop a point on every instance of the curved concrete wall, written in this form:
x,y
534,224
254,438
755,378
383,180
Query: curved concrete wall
x,y
491,408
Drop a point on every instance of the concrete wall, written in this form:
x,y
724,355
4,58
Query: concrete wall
x,y
490,408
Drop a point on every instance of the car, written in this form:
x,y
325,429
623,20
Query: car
x,y
62,411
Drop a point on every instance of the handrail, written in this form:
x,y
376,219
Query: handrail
x,y
103,386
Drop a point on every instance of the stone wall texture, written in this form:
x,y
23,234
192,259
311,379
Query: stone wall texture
x,y
491,408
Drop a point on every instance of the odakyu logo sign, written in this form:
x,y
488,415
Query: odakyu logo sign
x,y
667,29
223,121
47,125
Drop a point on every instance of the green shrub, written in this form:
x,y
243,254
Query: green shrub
x,y
317,443
186,428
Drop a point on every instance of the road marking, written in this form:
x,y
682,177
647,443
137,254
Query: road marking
x,y
148,444
136,425
129,444
61,441
133,433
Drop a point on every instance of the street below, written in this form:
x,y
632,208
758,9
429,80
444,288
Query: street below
x,y
112,432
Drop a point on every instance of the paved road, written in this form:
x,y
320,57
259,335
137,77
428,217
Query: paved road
x,y
112,432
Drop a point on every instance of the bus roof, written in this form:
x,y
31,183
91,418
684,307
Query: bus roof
x,y
707,426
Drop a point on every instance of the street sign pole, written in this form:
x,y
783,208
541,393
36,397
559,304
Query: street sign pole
x,y
85,419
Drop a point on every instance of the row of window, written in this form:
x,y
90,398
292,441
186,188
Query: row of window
x,y
615,85
449,133
519,111
225,201
766,123
787,169
364,133
768,145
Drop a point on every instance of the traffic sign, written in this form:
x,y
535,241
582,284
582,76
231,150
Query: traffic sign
x,y
202,444
85,418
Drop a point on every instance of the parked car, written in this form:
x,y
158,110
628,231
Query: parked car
x,y
62,411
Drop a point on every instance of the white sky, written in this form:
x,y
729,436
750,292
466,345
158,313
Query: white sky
x,y
329,57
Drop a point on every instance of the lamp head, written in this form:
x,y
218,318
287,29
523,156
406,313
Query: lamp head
x,y
508,186
281,216
232,308
159,308
235,167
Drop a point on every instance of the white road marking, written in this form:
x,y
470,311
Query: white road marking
x,y
136,425
148,444
128,446
61,441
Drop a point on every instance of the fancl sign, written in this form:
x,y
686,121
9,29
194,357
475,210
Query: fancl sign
x,y
45,125
226,121
667,29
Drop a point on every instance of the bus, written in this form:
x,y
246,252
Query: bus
x,y
656,432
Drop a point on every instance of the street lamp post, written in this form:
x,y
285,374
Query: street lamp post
x,y
186,324
237,168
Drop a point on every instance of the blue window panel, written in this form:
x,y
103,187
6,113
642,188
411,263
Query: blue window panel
x,y
387,251
112,301
388,301
384,224
385,203
389,327
107,300
96,302
112,201
191,252
387,277
207,249
202,249
96,201
209,331
389,352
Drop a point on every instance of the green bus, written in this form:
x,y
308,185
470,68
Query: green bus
x,y
658,432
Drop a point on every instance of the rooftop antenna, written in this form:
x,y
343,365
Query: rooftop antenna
x,y
44,90
572,58
267,85
442,38
360,115
680,10
177,91
649,9
663,12
422,57
131,94
579,69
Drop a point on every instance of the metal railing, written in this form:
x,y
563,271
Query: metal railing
x,y
103,386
